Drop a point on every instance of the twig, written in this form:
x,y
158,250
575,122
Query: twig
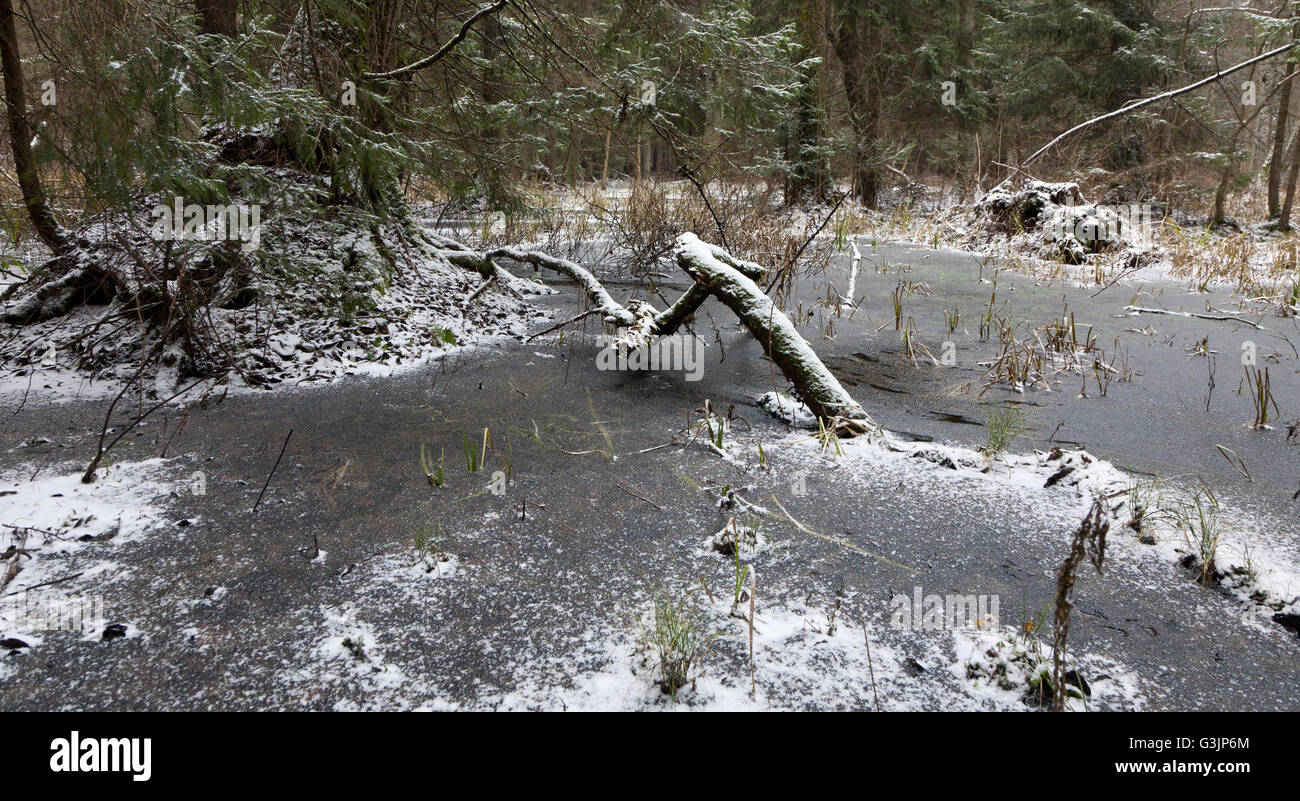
x,y
1125,272
474,295
560,325
88,477
638,495
690,176
608,458
273,469
837,540
804,246
45,584
653,448
867,638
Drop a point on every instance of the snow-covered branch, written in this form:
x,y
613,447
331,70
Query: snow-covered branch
x,y
813,382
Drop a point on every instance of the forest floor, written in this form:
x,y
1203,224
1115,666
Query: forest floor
x,y
358,584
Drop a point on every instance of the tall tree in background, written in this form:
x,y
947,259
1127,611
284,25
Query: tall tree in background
x,y
853,28
216,16
807,170
494,92
1281,123
380,55
20,137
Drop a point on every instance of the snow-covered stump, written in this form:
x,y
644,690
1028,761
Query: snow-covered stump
x,y
732,282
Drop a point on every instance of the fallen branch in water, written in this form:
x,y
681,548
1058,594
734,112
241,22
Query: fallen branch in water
x,y
1220,317
716,273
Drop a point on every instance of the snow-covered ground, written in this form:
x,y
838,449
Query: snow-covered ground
x,y
54,529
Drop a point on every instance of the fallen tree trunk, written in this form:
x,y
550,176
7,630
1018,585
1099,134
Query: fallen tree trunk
x,y
643,320
731,281
813,383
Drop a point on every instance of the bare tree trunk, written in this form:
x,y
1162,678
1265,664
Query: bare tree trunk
x,y
604,170
380,55
1278,159
805,160
493,91
381,31
571,156
856,44
1284,219
217,16
20,138
1221,193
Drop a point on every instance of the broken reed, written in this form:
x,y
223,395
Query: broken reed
x,y
1089,542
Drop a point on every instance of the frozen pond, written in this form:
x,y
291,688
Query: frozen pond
x,y
319,599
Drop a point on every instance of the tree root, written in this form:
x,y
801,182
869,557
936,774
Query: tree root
x,y
55,297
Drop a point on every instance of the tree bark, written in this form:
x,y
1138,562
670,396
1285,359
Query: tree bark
x,y
1284,219
1277,160
493,90
813,383
217,16
380,55
20,138
856,44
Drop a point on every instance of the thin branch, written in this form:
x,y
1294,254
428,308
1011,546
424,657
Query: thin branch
x,y
1219,317
690,176
1128,109
271,475
442,51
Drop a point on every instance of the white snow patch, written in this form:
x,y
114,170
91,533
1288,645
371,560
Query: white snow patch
x,y
801,661
56,519
787,409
